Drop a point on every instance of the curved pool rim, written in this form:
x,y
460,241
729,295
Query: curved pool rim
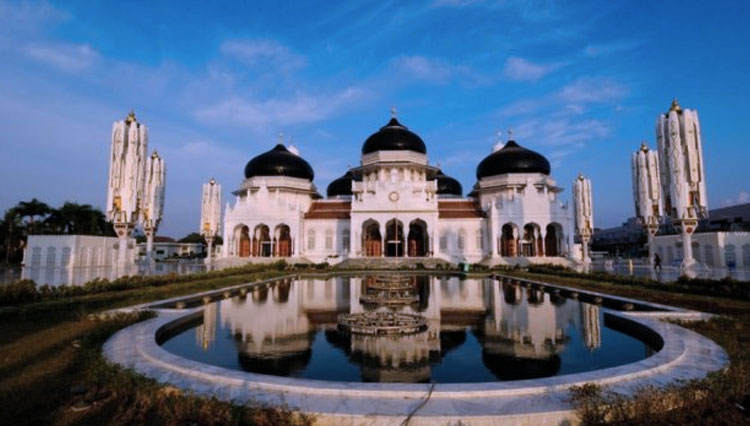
x,y
684,355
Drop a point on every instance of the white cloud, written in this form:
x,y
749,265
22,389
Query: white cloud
x,y
300,108
264,53
520,69
604,49
562,132
592,90
65,56
424,68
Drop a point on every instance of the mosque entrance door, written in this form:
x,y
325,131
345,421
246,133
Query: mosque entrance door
x,y
394,239
551,241
263,240
283,241
373,243
508,246
418,239
244,245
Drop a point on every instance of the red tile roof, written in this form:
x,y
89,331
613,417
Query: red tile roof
x,y
459,210
329,210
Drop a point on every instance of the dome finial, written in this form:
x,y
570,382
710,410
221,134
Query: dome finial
x,y
280,138
212,181
510,134
131,117
393,112
644,146
154,154
675,106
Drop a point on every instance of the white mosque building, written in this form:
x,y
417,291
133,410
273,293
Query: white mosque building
x,y
395,204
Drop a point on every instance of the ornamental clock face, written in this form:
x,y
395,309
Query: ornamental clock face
x,y
393,196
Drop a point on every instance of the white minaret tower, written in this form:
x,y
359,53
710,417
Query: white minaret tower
x,y
683,182
153,205
126,175
647,192
210,213
583,213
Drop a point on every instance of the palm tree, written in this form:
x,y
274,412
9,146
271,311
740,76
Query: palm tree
x,y
32,209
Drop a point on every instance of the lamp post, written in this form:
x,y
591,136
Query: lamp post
x,y
126,175
647,192
210,214
682,177
156,173
584,214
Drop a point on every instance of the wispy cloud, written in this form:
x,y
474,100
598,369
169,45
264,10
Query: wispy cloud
x,y
267,53
604,49
300,108
592,90
520,69
65,56
424,68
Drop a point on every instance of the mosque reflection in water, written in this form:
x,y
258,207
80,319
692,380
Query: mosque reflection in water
x,y
518,332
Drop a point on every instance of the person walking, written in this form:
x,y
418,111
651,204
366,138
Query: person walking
x,y
657,262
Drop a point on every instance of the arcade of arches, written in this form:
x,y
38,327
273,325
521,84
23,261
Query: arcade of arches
x,y
529,241
394,242
261,243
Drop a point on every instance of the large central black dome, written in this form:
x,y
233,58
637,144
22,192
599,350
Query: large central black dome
x,y
394,136
512,158
279,161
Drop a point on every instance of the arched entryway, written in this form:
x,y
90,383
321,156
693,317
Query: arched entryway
x,y
531,243
394,238
244,242
552,240
418,239
283,241
262,246
508,241
372,243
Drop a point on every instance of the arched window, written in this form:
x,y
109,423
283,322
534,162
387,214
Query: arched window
x,y
329,239
480,240
36,256
311,239
51,257
345,239
730,256
461,239
708,254
65,260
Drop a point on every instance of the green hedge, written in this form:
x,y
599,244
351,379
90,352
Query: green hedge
x,y
25,291
725,287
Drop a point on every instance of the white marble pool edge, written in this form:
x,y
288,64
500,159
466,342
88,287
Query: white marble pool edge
x,y
685,355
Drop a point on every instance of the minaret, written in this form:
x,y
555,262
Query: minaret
x,y
153,206
583,213
683,182
647,192
210,213
126,175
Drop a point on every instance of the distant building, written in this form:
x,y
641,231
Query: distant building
x,y
166,247
73,251
727,228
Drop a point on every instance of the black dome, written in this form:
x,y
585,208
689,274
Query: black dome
x,y
447,185
279,162
393,137
512,158
341,185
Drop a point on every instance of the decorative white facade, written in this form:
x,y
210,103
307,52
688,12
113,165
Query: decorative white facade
x,y
74,251
584,213
210,213
395,204
647,192
683,182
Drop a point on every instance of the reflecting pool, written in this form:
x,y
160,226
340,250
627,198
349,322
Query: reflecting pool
x,y
477,330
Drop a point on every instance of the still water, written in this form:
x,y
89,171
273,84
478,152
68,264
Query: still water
x,y
478,330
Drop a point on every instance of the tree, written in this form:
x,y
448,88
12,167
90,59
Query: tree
x,y
11,229
32,209
193,237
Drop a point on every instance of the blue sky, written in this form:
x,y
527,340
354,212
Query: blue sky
x,y
580,82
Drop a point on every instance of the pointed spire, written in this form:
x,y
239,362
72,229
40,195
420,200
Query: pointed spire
x,y
644,146
393,112
131,117
212,181
154,154
675,106
280,138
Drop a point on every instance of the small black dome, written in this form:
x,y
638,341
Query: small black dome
x,y
279,162
446,185
512,158
341,185
394,137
